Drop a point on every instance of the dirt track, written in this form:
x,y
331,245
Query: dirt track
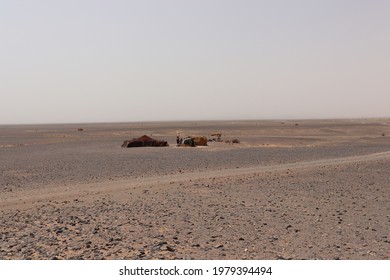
x,y
327,199
34,196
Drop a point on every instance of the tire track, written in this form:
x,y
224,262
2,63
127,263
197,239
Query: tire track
x,y
90,191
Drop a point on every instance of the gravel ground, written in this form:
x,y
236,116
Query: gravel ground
x,y
289,190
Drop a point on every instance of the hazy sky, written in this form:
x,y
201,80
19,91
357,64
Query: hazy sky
x,y
104,61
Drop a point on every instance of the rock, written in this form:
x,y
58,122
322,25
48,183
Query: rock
x,y
170,249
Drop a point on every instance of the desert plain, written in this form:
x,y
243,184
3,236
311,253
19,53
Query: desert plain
x,y
292,189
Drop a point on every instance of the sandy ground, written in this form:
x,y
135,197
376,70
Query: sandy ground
x,y
289,190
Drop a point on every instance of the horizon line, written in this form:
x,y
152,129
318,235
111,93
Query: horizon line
x,y
197,120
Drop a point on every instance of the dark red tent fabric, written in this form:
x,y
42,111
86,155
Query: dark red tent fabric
x,y
144,141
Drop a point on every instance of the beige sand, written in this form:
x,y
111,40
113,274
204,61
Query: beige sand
x,y
289,190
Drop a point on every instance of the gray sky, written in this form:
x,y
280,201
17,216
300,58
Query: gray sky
x,y
104,61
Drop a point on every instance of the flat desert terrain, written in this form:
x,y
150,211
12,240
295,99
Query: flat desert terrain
x,y
305,189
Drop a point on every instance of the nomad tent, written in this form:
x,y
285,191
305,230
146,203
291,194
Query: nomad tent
x,y
144,141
